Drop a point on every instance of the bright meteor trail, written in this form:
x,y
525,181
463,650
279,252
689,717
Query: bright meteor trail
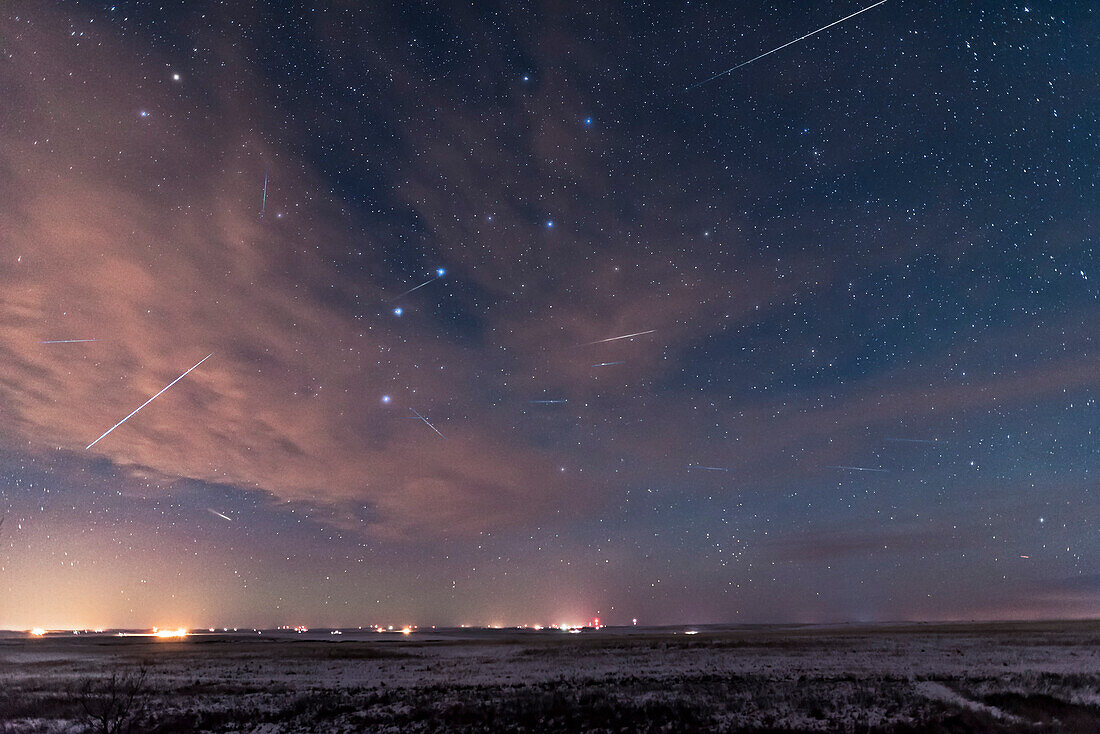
x,y
429,425
616,338
439,273
173,382
68,341
263,204
780,48
856,468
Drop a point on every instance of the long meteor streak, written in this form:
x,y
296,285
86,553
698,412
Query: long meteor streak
x,y
263,204
429,425
400,295
707,468
616,338
439,273
215,512
856,468
780,48
173,382
68,341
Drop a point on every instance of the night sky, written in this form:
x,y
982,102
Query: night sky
x,y
860,274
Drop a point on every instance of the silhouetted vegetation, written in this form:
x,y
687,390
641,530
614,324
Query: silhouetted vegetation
x,y
115,704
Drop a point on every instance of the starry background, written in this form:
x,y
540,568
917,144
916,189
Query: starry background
x,y
865,266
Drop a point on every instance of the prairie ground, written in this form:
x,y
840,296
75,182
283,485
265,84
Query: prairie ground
x,y
1020,677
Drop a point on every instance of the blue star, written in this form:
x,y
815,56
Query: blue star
x,y
440,272
398,311
588,121
550,224
386,399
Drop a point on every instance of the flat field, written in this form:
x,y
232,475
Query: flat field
x,y
998,677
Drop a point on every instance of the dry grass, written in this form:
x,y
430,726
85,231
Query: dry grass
x,y
974,678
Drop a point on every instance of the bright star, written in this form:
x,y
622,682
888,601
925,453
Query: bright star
x,y
588,121
386,399
398,311
440,272
550,224
175,77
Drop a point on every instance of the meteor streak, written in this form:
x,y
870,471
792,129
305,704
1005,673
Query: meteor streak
x,y
616,338
547,402
173,382
69,341
780,48
707,468
215,512
608,364
914,440
855,468
439,273
263,204
429,425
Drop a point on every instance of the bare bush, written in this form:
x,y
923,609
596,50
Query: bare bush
x,y
115,705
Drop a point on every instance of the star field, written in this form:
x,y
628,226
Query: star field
x,y
512,324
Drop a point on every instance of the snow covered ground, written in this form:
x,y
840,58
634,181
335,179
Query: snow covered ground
x,y
962,677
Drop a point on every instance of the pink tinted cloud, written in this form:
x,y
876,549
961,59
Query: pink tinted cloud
x,y
144,232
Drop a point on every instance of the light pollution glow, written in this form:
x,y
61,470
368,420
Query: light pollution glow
x,y
407,629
